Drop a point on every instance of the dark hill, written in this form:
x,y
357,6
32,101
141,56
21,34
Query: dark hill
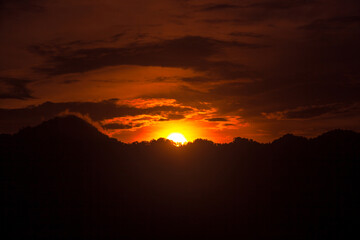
x,y
338,138
66,128
290,139
65,180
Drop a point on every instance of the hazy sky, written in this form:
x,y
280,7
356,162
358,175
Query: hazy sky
x,y
208,69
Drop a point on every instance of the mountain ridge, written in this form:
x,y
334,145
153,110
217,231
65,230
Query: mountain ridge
x,y
72,126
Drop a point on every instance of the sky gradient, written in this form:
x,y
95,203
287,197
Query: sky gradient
x,y
139,70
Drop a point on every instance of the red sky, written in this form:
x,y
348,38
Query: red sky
x,y
208,69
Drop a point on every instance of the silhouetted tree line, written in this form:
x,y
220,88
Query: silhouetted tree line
x,y
65,180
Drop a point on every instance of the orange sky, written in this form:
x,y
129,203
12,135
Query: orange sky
x,y
212,69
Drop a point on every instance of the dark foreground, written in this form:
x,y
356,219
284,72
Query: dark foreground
x,y
65,180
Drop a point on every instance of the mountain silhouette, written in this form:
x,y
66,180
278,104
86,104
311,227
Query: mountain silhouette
x,y
64,179
290,139
67,128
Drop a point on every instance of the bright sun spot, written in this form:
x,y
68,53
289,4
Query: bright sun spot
x,y
177,138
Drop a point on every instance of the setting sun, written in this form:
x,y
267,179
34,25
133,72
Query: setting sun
x,y
177,138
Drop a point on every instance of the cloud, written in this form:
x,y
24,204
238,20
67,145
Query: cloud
x,y
336,23
218,7
268,12
13,119
14,88
246,34
280,4
19,6
70,81
236,89
198,79
175,116
116,37
186,52
170,117
163,119
272,95
223,70
48,49
310,112
216,119
117,126
103,110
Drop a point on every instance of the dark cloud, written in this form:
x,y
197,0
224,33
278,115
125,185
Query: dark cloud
x,y
187,52
163,119
18,6
14,88
309,112
217,120
268,12
270,95
217,7
223,70
117,126
172,116
197,79
221,21
237,89
69,81
336,23
13,119
313,93
246,34
63,48
116,37
175,116
281,4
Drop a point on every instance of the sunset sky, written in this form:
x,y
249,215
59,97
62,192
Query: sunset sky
x,y
214,69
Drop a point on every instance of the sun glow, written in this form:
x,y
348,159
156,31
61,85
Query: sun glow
x,y
177,138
